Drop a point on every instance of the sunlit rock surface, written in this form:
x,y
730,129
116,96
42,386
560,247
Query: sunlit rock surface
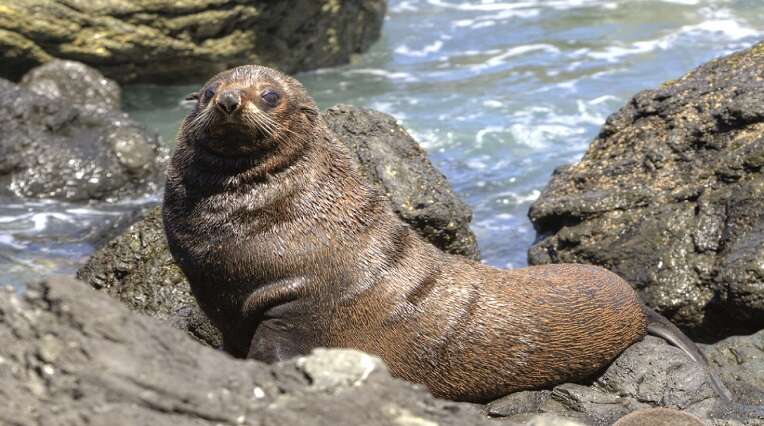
x,y
75,356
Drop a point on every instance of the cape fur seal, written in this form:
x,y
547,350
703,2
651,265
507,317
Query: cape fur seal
x,y
287,248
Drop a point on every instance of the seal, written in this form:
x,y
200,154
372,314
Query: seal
x,y
288,248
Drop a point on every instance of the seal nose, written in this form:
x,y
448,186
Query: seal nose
x,y
229,101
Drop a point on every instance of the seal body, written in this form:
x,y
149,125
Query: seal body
x,y
287,248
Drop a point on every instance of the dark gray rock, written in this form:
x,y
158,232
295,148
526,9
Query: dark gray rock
x,y
420,194
670,196
74,356
185,40
70,143
137,266
659,417
651,373
740,361
76,83
138,269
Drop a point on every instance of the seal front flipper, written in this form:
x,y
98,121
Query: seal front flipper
x,y
658,325
283,329
281,335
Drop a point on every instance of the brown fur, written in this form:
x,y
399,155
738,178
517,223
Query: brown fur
x,y
287,247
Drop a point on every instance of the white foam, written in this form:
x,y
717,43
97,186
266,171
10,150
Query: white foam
x,y
602,99
527,198
522,7
8,240
84,211
404,6
430,48
717,22
481,134
41,220
376,72
493,6
492,103
512,52
728,28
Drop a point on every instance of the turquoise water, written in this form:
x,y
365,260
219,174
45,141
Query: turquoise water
x,y
499,93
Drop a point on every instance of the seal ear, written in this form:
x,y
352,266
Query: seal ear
x,y
192,97
310,111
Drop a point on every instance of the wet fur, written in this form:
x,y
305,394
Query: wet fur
x,y
287,248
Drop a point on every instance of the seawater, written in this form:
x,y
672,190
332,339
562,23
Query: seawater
x,y
498,92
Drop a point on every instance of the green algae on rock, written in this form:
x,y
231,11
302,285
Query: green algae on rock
x,y
670,195
187,40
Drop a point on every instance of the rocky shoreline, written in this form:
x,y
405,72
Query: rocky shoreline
x,y
666,196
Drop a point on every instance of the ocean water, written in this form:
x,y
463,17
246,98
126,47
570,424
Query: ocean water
x,y
498,92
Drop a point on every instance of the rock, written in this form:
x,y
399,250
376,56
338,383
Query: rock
x,y
75,82
64,139
740,361
658,417
669,196
187,40
138,269
137,266
391,159
74,356
650,374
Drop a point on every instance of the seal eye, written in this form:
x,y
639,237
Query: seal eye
x,y
209,93
271,98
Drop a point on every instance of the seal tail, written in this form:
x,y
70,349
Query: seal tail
x,y
658,325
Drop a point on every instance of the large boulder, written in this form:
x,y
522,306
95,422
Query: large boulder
x,y
670,195
137,266
75,82
649,374
64,137
393,161
188,40
74,356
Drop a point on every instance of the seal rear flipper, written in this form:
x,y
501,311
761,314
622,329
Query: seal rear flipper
x,y
660,326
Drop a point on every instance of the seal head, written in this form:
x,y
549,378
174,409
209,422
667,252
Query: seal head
x,y
249,112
